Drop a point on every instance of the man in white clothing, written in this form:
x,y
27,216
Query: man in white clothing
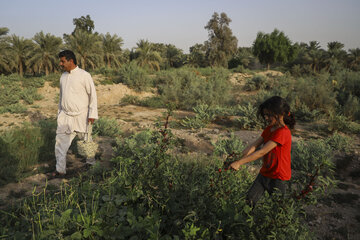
x,y
77,108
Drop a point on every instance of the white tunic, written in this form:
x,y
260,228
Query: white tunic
x,y
78,101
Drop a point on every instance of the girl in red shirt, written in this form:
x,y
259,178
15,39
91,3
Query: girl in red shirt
x,y
275,150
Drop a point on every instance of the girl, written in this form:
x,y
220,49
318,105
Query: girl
x,y
276,149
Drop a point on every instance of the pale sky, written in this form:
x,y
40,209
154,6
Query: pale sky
x,y
182,22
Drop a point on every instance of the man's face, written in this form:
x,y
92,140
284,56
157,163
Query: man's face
x,y
65,64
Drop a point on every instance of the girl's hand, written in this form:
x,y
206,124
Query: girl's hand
x,y
235,165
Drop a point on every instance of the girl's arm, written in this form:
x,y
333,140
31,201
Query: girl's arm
x,y
252,147
255,155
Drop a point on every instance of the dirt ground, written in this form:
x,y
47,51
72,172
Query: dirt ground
x,y
337,216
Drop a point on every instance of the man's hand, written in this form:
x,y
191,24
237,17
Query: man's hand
x,y
91,120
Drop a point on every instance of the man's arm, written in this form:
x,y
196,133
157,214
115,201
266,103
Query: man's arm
x,y
91,91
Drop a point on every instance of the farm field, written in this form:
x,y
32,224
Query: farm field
x,y
332,214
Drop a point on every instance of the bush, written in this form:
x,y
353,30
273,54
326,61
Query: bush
x,y
30,94
315,93
339,143
134,76
257,82
227,146
106,127
150,194
13,108
186,89
248,118
204,115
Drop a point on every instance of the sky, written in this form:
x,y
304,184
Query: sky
x,y
182,22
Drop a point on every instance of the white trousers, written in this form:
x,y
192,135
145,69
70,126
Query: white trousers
x,y
62,144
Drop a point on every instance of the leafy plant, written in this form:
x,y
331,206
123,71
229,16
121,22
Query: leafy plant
x,y
106,127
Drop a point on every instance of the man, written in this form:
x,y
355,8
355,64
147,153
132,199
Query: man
x,y
77,108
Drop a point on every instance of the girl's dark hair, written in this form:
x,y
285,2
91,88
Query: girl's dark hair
x,y
68,54
278,106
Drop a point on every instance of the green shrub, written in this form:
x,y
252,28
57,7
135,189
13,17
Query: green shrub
x,y
13,108
313,159
316,93
106,127
227,146
248,118
257,82
9,94
30,94
150,194
339,142
303,113
351,108
134,76
186,89
33,82
204,115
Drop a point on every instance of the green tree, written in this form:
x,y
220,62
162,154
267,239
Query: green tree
x,y
147,56
83,24
4,50
174,56
335,57
20,50
221,44
197,56
274,48
44,56
87,46
243,56
112,49
314,55
353,59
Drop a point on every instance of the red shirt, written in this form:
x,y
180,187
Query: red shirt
x,y
277,162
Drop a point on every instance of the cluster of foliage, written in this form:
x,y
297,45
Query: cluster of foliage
x,y
23,147
106,127
186,89
151,194
14,89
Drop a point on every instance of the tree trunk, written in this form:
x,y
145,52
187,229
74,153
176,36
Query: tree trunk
x,y
268,66
20,68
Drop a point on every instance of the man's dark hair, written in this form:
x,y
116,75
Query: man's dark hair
x,y
68,54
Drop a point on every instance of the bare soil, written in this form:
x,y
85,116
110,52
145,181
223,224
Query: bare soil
x,y
337,216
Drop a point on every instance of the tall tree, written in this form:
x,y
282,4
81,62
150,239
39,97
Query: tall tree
x,y
354,59
314,55
197,56
221,43
44,56
83,24
87,47
146,56
4,50
20,50
274,48
112,49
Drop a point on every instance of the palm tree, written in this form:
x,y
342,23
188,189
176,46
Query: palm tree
x,y
44,55
112,49
87,46
4,50
20,50
335,54
146,56
314,55
354,59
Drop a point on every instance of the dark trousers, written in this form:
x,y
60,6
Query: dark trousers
x,y
261,184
